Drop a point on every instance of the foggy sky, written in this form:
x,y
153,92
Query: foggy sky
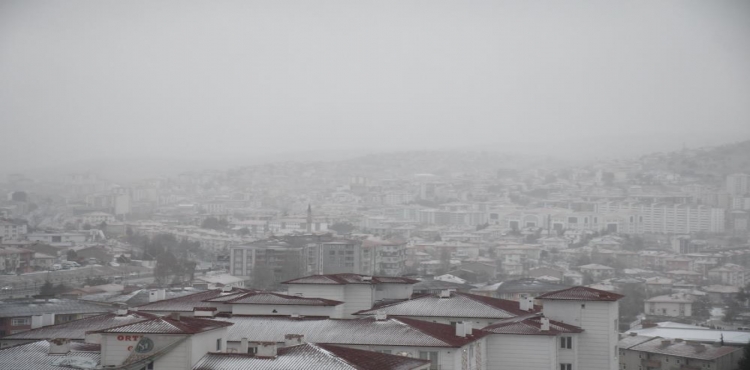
x,y
234,79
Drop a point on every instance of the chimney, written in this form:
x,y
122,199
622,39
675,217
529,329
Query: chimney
x,y
665,342
266,349
175,316
36,321
545,324
380,316
678,340
699,347
526,303
226,288
59,346
468,328
293,339
48,319
161,294
445,293
121,311
460,332
243,346
294,316
153,296
633,334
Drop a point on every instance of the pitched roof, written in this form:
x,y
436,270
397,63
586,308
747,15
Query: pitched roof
x,y
530,325
363,331
581,293
528,286
27,308
168,325
684,349
279,299
310,356
457,305
342,279
76,330
188,302
35,356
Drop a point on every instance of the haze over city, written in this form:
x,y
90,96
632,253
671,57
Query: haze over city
x,y
374,185
230,80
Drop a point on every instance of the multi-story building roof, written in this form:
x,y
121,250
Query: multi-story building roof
x,y
311,356
451,307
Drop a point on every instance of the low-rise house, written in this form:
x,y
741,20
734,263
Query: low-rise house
x,y
75,330
18,316
729,274
673,305
686,275
718,294
597,271
637,352
658,285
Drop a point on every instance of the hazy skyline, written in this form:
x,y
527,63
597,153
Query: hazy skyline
x,y
83,81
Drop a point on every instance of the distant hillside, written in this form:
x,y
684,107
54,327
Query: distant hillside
x,y
712,163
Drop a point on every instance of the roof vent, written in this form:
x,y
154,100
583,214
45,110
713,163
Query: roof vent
x,y
545,324
380,316
59,346
226,288
294,316
175,316
633,334
445,293
293,339
678,340
366,278
666,343
265,349
121,311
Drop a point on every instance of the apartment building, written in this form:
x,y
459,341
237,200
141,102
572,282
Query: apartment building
x,y
670,218
672,305
596,313
11,230
334,257
383,258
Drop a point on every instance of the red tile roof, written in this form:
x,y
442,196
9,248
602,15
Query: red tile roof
x,y
342,279
581,293
368,360
444,332
530,325
167,325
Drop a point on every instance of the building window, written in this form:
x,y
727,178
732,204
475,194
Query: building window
x,y
218,345
566,366
432,356
20,321
566,342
